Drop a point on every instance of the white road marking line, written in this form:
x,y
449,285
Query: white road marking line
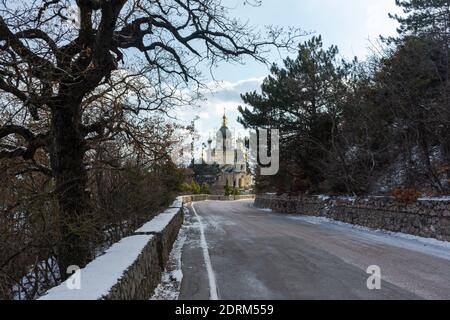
x,y
211,277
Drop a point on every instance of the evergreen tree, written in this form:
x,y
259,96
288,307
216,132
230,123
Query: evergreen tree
x,y
424,17
303,100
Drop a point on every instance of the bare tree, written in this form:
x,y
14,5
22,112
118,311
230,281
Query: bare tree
x,y
59,57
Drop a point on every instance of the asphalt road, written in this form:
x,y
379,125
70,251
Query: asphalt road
x,y
247,253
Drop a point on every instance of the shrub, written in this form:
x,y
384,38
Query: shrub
x,y
195,188
205,188
406,195
185,187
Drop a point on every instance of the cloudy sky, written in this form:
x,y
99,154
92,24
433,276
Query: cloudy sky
x,y
350,24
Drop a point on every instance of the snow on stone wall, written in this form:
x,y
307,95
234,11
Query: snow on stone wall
x,y
120,272
165,227
178,203
160,222
130,269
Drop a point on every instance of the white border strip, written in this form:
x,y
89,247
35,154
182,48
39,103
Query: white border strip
x,y
211,277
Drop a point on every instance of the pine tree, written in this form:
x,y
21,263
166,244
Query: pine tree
x,y
424,17
302,100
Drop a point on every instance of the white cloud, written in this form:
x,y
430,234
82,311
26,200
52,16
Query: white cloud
x,y
378,22
220,96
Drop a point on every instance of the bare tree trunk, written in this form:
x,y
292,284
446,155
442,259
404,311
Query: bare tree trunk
x,y
408,163
67,155
445,153
423,145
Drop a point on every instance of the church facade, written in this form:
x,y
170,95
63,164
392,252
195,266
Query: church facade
x,y
232,158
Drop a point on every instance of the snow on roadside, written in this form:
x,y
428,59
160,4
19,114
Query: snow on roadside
x,y
170,286
406,241
443,198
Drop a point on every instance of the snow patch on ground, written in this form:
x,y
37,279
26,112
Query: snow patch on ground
x,y
311,219
429,246
170,286
398,239
444,198
268,210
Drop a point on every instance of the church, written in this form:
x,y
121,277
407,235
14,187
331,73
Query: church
x,y
231,157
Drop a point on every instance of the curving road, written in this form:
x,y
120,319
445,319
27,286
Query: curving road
x,y
235,251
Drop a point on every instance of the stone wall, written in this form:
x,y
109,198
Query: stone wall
x,y
428,218
128,270
131,269
165,228
141,278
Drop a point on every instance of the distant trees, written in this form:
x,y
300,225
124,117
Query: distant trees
x,y
205,173
191,188
363,127
195,188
